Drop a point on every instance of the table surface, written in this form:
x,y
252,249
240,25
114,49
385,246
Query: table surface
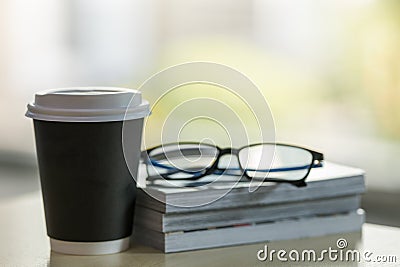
x,y
23,242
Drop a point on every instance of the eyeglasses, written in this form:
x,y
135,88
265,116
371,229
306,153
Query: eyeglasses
x,y
273,162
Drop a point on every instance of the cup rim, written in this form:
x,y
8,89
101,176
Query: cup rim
x,y
88,104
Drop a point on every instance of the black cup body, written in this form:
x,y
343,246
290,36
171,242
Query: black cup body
x,y
88,191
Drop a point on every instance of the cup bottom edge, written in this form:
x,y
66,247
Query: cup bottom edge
x,y
89,248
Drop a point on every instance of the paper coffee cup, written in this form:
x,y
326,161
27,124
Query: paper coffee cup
x,y
88,190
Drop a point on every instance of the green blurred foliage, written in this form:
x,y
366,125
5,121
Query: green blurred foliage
x,y
285,86
363,76
381,66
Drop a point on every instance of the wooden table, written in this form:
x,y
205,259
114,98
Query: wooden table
x,y
23,242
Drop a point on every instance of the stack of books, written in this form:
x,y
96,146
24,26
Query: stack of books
x,y
172,221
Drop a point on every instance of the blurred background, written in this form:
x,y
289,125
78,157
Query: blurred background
x,y
330,71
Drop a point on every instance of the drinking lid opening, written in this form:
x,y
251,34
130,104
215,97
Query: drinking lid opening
x,y
88,104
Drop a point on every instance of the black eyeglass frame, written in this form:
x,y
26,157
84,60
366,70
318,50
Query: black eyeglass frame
x,y
317,161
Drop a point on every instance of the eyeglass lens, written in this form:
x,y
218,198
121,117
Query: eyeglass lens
x,y
275,162
182,161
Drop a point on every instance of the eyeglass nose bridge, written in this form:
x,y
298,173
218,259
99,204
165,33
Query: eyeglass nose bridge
x,y
226,151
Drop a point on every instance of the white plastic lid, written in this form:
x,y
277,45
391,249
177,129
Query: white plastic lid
x,y
88,104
